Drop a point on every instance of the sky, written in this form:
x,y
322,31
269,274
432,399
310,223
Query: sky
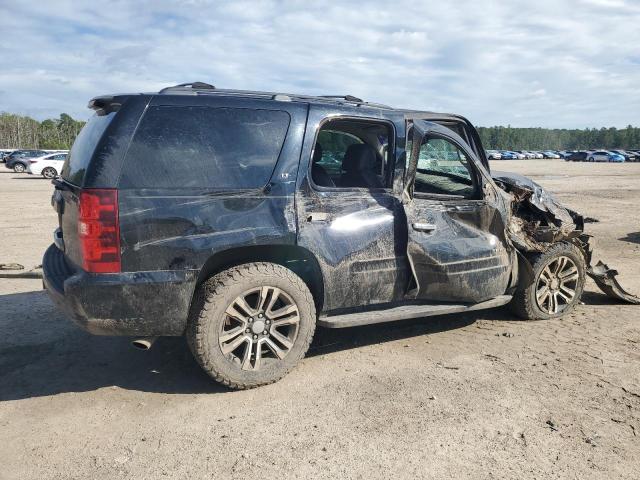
x,y
548,63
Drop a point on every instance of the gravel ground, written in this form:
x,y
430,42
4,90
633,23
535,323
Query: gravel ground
x,y
479,395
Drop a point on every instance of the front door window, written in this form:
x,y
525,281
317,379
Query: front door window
x,y
443,169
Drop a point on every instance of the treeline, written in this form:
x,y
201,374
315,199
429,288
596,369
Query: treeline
x,y
24,132
509,138
18,131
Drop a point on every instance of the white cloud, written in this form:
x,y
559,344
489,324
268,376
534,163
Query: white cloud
x,y
572,63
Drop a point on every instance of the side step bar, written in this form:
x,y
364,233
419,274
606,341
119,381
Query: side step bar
x,y
405,312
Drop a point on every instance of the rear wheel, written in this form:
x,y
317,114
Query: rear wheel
x,y
49,172
251,324
558,282
19,167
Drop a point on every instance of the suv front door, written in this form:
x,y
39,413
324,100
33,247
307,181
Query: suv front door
x,y
457,244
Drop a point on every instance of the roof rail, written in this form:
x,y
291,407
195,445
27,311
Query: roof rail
x,y
348,98
356,100
191,85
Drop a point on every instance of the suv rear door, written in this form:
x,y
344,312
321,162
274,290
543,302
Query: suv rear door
x,y
357,234
456,219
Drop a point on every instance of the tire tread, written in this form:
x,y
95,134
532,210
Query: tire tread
x,y
212,291
521,304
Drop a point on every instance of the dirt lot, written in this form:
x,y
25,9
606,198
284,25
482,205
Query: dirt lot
x,y
465,396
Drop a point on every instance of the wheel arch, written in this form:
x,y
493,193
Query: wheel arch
x,y
294,257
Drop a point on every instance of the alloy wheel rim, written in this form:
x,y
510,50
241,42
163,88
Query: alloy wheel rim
x,y
19,168
260,328
48,173
556,285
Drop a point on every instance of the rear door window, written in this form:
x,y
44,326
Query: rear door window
x,y
86,142
334,146
204,147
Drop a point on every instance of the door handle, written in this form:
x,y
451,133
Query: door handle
x,y
317,217
424,227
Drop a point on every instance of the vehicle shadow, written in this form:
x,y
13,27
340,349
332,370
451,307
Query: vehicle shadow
x,y
597,298
29,177
328,340
632,237
42,353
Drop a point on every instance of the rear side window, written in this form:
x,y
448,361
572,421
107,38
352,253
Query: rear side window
x,y
203,147
78,159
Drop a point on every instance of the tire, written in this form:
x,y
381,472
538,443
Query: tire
x,y
254,361
49,172
591,159
572,267
19,167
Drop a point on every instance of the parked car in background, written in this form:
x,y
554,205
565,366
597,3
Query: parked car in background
x,y
4,153
508,155
577,157
550,154
49,166
605,156
628,156
18,160
494,155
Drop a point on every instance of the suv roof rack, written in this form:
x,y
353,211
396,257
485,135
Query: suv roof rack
x,y
189,85
202,88
348,98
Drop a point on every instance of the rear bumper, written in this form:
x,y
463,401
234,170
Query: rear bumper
x,y
154,303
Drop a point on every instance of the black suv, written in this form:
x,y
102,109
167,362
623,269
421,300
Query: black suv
x,y
244,219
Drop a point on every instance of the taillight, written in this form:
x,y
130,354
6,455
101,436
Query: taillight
x,y
99,231
33,161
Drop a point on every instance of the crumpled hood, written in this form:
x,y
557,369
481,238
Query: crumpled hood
x,y
538,220
535,194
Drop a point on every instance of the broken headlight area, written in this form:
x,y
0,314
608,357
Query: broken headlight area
x,y
538,221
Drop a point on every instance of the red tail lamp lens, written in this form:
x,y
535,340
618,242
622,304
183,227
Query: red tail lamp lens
x,y
98,230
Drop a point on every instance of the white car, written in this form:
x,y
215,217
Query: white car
x,y
493,155
49,166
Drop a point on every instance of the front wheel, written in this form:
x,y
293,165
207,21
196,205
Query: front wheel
x,y
19,168
251,324
558,282
49,172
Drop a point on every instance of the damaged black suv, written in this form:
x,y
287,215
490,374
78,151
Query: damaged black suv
x,y
244,219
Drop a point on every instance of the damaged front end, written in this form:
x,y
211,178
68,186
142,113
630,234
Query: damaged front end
x,y
538,221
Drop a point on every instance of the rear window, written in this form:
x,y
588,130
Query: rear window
x,y
78,159
204,147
